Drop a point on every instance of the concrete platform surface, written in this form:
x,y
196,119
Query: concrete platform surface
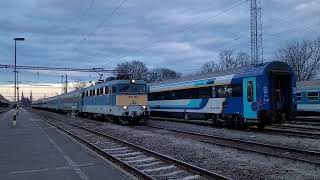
x,y
34,149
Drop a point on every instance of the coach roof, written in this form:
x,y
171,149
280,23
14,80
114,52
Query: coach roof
x,y
253,70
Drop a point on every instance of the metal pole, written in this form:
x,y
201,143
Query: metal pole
x,y
15,69
18,94
66,90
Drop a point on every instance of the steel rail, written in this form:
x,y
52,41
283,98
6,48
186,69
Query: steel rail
x,y
183,165
247,146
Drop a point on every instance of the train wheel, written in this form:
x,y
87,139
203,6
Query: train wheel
x,y
261,126
122,122
112,119
214,120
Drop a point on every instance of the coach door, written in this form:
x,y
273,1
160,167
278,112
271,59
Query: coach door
x,y
249,98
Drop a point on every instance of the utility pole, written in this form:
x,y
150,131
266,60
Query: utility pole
x,y
66,84
256,32
62,84
18,94
15,67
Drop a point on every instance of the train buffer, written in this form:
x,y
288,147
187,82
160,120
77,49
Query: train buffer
x,y
34,149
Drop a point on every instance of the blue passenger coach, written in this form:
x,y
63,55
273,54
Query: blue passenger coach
x,y
308,96
261,94
117,100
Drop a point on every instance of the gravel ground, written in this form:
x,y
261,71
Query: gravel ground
x,y
283,140
227,161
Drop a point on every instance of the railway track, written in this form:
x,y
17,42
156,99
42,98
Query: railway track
x,y
304,123
308,132
267,130
262,148
141,162
4,110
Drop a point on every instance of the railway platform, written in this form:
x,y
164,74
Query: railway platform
x,y
34,149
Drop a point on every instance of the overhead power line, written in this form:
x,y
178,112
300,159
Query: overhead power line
x,y
190,27
59,68
193,26
289,14
115,11
274,21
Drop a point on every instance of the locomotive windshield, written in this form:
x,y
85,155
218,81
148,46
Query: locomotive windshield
x,y
132,88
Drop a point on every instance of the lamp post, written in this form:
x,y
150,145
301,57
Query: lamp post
x,y
15,67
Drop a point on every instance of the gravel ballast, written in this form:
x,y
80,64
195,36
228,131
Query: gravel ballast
x,y
230,162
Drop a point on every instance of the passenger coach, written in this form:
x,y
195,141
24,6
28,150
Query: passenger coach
x,y
308,96
117,100
262,94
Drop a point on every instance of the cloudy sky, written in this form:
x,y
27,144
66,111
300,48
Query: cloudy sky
x,y
177,34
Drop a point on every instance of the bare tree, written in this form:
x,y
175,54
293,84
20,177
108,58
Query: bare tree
x,y
228,59
136,69
208,67
243,59
162,74
303,56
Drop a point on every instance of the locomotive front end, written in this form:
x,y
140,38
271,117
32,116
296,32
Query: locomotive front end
x,y
133,105
132,100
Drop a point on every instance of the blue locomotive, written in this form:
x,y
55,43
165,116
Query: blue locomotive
x,y
123,101
261,94
308,96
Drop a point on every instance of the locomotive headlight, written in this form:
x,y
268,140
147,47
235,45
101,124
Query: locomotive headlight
x,y
125,107
144,107
133,81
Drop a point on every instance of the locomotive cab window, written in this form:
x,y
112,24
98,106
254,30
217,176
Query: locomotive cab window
x,y
132,88
299,96
250,93
313,96
114,89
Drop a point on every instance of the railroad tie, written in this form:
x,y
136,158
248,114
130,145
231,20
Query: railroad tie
x,y
127,154
141,160
190,177
159,169
133,158
169,174
150,164
113,149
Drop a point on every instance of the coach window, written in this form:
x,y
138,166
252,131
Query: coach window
x,y
299,96
204,92
90,92
86,93
236,91
101,91
98,92
250,93
93,92
312,96
220,93
213,92
227,91
106,90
